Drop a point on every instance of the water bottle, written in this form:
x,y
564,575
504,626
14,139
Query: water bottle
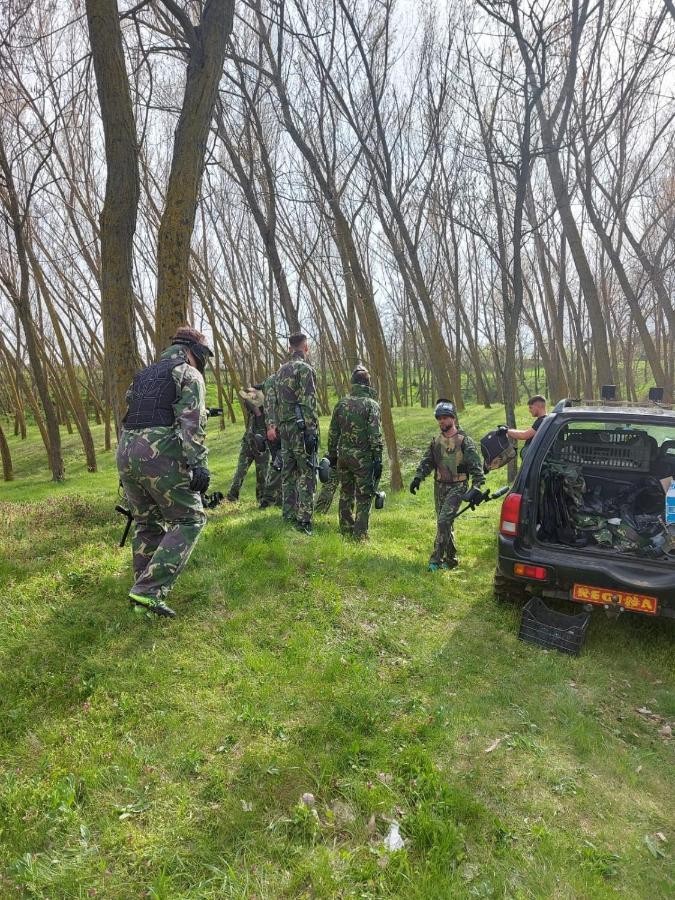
x,y
670,504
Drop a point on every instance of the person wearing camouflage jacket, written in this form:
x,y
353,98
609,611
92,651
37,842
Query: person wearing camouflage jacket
x,y
296,398
162,461
453,458
250,450
355,451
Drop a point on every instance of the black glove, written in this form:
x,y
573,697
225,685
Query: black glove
x,y
214,411
473,497
415,485
200,480
503,428
377,470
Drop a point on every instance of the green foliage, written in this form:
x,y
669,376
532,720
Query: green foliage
x,y
168,759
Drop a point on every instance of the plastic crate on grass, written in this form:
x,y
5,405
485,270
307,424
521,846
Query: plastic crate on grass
x,y
551,629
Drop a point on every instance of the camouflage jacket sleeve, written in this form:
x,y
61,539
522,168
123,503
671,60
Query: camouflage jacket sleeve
x,y
270,404
334,431
427,463
375,430
190,409
306,394
472,462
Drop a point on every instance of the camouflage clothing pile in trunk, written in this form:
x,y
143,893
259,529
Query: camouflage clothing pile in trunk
x,y
154,465
355,444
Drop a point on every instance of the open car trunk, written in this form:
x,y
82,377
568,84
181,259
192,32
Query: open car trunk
x,y
603,489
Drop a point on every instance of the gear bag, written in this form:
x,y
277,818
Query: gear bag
x,y
153,394
497,450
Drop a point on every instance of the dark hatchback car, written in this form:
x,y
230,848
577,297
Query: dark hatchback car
x,y
585,518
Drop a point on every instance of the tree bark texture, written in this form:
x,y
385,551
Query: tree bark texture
x,y
207,43
118,217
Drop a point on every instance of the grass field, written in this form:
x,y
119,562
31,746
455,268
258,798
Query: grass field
x,y
167,759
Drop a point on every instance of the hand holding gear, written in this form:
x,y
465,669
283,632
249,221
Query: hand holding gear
x,y
332,459
415,485
201,478
473,497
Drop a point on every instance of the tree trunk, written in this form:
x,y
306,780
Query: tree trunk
x,y
7,472
21,299
207,43
118,217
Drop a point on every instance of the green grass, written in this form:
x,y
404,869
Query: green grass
x,y
167,759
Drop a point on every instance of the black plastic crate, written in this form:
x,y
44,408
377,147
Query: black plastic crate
x,y
617,449
551,629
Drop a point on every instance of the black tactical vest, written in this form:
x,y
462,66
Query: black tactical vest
x,y
153,394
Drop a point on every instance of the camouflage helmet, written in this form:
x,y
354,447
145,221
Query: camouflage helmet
x,y
360,375
445,408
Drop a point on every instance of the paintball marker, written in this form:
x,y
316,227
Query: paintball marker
x,y
262,444
212,411
485,496
209,501
123,511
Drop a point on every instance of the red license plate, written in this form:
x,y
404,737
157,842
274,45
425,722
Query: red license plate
x,y
585,593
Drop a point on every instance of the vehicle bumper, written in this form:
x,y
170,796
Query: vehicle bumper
x,y
621,585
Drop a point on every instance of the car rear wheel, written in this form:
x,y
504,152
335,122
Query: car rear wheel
x,y
508,591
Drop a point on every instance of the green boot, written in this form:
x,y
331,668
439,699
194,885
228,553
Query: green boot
x,y
152,604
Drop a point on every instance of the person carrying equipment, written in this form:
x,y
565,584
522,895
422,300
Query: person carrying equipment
x,y
453,458
162,462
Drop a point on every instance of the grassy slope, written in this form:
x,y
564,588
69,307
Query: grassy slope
x,y
146,758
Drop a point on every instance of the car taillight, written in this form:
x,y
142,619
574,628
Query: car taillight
x,y
540,573
508,523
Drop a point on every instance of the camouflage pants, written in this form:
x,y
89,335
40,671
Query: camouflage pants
x,y
297,476
447,499
246,457
356,493
272,491
168,518
327,492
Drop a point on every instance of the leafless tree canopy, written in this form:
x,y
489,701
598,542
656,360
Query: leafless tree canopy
x,y
476,199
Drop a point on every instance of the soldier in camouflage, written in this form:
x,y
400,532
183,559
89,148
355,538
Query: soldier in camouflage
x,y
251,452
162,462
271,495
355,451
296,399
453,457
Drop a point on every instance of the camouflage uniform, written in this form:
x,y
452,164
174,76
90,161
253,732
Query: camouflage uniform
x,y
271,495
453,460
249,453
355,441
296,384
326,494
154,466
